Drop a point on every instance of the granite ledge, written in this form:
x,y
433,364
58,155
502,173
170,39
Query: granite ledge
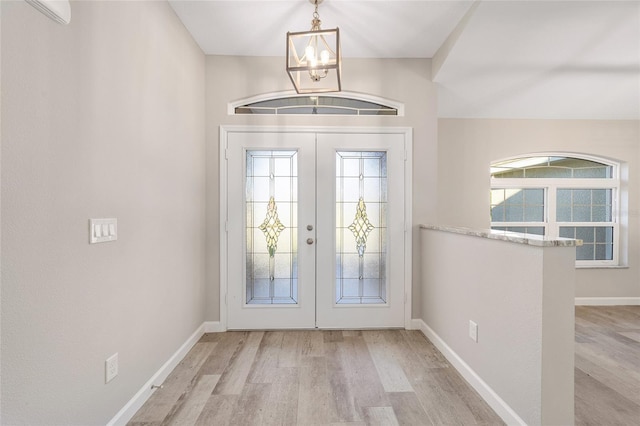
x,y
512,237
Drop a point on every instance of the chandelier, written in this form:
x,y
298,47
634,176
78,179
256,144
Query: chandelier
x,y
314,59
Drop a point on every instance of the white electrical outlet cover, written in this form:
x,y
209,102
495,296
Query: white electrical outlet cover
x,y
111,368
473,331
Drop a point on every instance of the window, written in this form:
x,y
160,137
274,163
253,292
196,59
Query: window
x,y
560,196
336,104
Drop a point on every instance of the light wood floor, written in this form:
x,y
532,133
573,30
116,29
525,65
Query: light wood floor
x,y
379,377
315,377
607,372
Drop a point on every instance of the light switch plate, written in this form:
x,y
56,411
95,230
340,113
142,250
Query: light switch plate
x,y
103,230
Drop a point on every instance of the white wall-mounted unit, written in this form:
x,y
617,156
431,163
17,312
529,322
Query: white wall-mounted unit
x,y
58,10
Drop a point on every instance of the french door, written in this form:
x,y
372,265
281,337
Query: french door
x,y
315,230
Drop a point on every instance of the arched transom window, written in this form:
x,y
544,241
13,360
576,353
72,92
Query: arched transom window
x,y
336,104
560,196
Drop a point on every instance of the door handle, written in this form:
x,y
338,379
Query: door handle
x,y
309,241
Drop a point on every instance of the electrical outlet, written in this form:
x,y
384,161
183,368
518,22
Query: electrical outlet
x,y
473,331
111,368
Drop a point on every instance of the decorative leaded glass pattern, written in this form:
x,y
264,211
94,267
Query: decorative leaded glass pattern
x,y
361,237
271,218
272,227
361,227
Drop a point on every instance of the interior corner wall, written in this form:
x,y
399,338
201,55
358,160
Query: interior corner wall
x,y
100,118
466,148
231,78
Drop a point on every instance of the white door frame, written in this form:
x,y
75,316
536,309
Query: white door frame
x,y
407,132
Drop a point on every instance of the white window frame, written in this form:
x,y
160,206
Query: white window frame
x,y
398,106
551,186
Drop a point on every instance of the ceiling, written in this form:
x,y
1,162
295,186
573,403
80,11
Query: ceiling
x,y
492,59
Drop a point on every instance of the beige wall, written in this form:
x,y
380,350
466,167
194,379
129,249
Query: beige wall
x,y
402,80
101,118
466,148
523,359
118,115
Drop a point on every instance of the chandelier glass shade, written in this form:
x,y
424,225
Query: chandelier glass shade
x,y
314,59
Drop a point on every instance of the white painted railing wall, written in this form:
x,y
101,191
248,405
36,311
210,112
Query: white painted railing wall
x,y
520,292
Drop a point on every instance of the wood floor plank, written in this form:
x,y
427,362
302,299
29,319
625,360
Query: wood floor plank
x,y
633,311
444,407
610,357
339,384
188,412
468,405
386,361
252,404
415,365
597,404
380,416
211,337
360,371
332,336
235,376
633,335
290,349
315,401
584,334
424,349
617,379
607,377
266,359
227,345
615,318
282,407
461,390
408,410
181,379
218,410
312,343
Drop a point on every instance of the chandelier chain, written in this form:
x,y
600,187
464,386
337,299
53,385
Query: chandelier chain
x,y
315,23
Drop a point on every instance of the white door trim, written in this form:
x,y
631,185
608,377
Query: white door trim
x,y
407,132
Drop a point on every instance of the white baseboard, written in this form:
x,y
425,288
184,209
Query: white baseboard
x,y
493,399
130,409
214,327
607,301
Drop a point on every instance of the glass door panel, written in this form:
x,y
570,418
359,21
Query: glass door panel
x,y
272,211
361,245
